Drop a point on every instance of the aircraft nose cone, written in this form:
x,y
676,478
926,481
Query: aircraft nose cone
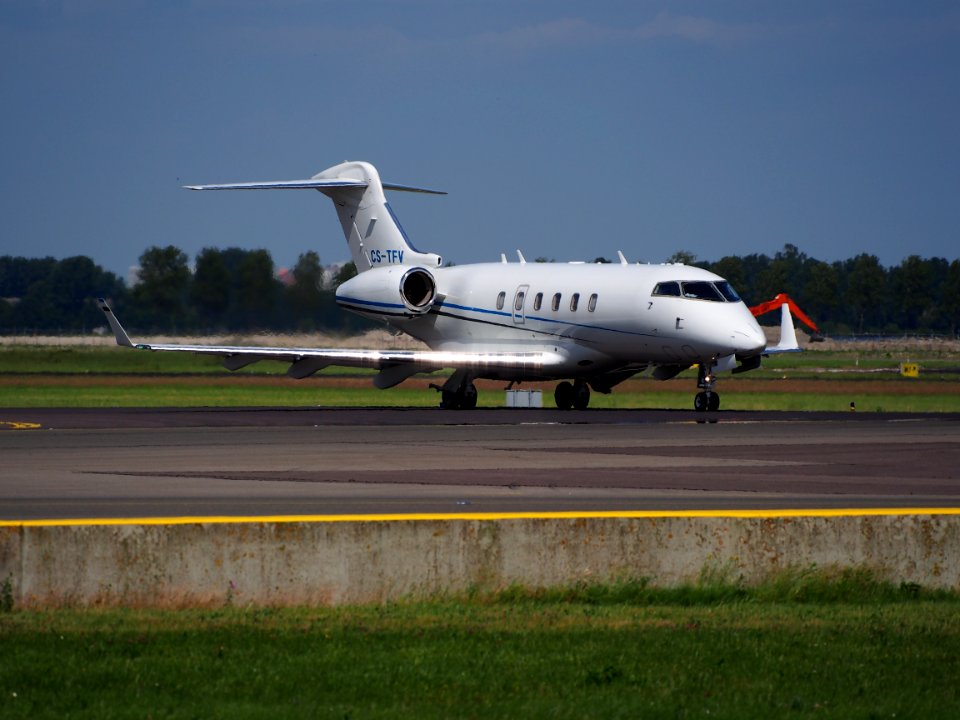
x,y
749,340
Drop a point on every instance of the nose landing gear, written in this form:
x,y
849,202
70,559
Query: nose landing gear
x,y
708,400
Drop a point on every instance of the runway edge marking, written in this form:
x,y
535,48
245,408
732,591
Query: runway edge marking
x,y
565,515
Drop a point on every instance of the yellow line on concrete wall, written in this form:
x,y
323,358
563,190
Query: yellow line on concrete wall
x,y
572,515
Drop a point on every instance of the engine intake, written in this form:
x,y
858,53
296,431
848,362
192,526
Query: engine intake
x,y
418,290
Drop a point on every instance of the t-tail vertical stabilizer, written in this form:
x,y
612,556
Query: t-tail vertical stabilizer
x,y
370,227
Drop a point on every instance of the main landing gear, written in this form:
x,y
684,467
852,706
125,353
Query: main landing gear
x,y
707,400
575,395
458,392
465,398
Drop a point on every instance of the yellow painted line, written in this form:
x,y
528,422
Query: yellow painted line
x,y
415,517
17,425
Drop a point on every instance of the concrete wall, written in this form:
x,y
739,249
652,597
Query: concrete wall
x,y
290,563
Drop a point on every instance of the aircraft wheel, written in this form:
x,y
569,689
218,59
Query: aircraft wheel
x,y
701,403
449,400
469,399
564,395
581,395
713,401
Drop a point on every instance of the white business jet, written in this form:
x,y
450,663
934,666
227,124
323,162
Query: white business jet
x,y
590,326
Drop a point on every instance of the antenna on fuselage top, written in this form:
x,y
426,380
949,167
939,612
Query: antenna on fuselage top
x,y
623,260
523,260
503,258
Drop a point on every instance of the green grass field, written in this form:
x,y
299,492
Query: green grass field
x,y
835,646
97,392
79,376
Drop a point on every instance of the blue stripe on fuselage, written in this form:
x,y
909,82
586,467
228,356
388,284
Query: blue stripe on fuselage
x,y
358,301
540,319
498,313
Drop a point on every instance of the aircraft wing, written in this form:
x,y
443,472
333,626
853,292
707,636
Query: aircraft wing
x,y
788,335
395,366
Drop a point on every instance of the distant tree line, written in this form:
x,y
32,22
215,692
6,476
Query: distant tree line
x,y
229,290
234,290
853,296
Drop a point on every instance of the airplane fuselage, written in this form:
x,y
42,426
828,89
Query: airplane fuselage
x,y
598,316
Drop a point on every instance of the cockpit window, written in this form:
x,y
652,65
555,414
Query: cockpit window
x,y
701,291
726,289
720,291
667,288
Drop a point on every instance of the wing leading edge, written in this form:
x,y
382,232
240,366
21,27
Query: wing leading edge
x,y
395,366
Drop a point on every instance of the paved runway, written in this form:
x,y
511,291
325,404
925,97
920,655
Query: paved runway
x,y
144,463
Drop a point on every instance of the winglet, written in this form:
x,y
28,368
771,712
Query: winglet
x,y
118,332
788,335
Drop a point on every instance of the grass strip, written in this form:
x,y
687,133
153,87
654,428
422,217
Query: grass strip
x,y
803,644
79,376
22,392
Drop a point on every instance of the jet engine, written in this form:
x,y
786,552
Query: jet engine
x,y
418,290
390,291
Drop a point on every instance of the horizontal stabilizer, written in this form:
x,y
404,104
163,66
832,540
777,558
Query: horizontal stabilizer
x,y
311,184
410,188
283,185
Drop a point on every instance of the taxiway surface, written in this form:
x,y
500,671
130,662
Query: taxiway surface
x,y
148,463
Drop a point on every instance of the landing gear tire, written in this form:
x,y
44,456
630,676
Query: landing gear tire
x,y
581,395
706,401
564,395
468,401
449,400
464,399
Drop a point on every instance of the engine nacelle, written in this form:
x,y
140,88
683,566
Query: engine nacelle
x,y
391,291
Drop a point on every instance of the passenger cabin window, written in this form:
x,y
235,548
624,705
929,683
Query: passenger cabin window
x,y
556,302
574,301
500,299
701,291
671,289
537,301
518,302
592,303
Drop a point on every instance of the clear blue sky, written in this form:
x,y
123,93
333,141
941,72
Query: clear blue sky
x,y
566,129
